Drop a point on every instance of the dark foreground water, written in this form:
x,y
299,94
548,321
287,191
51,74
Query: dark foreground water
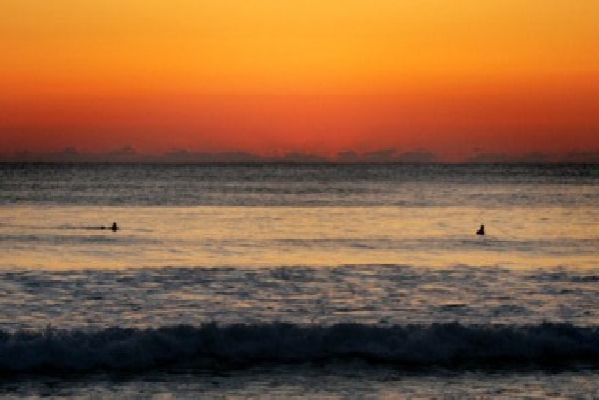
x,y
282,281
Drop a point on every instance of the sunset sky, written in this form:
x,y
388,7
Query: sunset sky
x,y
267,76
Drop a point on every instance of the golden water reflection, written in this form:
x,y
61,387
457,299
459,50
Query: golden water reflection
x,y
57,238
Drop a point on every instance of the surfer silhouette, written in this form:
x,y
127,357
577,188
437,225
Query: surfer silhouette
x,y
481,230
114,227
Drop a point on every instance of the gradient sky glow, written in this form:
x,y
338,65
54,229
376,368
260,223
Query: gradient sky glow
x,y
301,75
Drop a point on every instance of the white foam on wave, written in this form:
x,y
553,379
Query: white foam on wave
x,y
213,346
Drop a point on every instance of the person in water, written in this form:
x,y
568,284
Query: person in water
x,y
481,230
114,227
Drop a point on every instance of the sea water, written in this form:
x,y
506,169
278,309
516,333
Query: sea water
x,y
274,280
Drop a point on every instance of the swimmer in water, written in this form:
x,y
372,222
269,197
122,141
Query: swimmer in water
x,y
481,230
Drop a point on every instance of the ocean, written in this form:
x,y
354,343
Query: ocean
x,y
299,280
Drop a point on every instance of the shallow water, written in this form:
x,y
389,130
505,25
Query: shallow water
x,y
286,254
367,294
332,382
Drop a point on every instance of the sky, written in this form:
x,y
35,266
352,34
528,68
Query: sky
x,y
453,77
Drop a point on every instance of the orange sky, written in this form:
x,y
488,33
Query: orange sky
x,y
300,75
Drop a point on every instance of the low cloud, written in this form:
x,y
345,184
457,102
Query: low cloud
x,y
383,155
348,156
386,155
417,157
536,157
590,157
185,156
489,158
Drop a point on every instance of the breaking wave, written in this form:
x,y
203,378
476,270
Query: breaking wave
x,y
212,346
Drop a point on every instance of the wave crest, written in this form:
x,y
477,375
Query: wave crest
x,y
233,346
